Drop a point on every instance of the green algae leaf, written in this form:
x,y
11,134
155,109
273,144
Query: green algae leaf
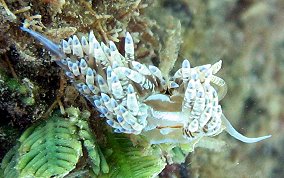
x,y
131,161
44,150
95,157
9,163
53,148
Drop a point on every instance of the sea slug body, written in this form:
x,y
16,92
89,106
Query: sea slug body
x,y
136,99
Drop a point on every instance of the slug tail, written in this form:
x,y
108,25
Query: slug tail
x,y
232,131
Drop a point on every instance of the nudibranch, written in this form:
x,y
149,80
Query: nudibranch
x,y
136,99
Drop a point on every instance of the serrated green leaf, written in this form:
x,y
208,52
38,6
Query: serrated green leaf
x,y
131,161
53,147
96,158
44,154
47,149
9,162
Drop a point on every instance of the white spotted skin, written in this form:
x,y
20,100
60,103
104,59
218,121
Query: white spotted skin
x,y
132,96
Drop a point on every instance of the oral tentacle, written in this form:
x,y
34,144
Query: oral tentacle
x,y
51,46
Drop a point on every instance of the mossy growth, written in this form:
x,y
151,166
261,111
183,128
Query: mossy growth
x,y
23,90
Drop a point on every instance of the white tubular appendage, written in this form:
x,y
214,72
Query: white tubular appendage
x,y
232,131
